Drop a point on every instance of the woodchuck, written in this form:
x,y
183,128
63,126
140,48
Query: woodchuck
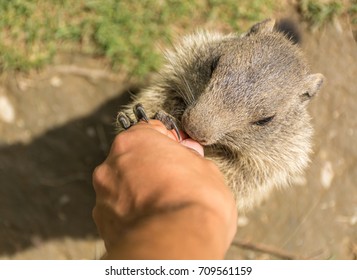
x,y
244,98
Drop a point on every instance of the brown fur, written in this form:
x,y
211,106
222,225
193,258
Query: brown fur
x,y
222,88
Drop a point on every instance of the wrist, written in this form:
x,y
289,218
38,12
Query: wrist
x,y
197,231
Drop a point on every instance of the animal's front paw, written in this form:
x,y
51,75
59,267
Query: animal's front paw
x,y
168,121
126,122
139,112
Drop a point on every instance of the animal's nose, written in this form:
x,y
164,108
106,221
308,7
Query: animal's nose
x,y
197,128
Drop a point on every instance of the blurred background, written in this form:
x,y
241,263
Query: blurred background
x,y
67,67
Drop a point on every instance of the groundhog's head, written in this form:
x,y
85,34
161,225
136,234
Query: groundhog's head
x,y
244,92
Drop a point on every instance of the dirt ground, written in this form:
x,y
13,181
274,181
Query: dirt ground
x,y
57,125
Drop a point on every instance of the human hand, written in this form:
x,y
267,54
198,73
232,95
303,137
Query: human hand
x,y
148,176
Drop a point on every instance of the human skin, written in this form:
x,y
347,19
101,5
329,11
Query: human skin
x,y
160,199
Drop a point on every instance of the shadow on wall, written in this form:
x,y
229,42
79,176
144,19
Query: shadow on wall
x,y
45,186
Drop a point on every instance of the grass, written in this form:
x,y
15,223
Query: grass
x,y
318,12
352,11
127,33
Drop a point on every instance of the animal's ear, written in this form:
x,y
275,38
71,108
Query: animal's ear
x,y
313,85
265,26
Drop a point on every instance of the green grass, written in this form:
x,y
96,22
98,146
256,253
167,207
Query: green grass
x,y
353,12
318,12
129,34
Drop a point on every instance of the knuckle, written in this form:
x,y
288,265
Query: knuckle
x,y
99,177
121,142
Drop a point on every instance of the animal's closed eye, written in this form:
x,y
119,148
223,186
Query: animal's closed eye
x,y
264,121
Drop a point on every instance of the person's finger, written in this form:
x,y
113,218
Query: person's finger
x,y
160,127
156,125
187,142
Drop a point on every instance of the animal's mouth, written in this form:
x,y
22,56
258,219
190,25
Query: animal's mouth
x,y
202,141
204,133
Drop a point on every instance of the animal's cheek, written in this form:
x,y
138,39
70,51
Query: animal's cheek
x,y
245,139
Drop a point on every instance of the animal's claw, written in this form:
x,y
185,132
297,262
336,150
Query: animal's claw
x,y
169,122
139,113
124,120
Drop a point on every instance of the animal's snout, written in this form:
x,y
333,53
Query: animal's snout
x,y
198,127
